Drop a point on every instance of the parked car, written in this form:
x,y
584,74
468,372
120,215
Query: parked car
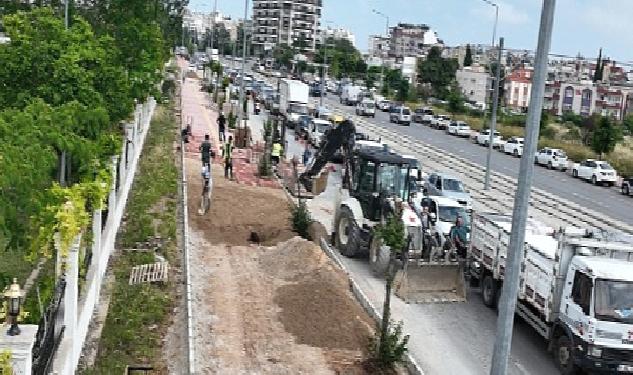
x,y
383,105
514,146
440,122
452,127
483,138
553,158
627,185
400,115
596,171
463,130
449,186
422,114
366,108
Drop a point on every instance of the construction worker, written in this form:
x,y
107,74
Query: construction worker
x,y
459,236
206,151
222,127
276,152
227,152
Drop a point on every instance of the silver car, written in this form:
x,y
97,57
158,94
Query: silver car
x,y
445,185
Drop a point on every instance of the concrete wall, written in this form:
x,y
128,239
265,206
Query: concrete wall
x,y
78,307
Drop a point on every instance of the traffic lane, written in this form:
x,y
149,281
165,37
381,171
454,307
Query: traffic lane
x,y
601,199
455,338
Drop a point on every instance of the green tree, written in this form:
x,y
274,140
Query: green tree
x,y
437,71
605,136
468,59
597,75
628,123
344,59
455,102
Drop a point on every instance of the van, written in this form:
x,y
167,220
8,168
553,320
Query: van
x,y
400,115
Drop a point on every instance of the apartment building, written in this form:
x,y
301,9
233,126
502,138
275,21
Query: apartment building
x,y
409,40
287,22
475,83
518,88
337,34
586,98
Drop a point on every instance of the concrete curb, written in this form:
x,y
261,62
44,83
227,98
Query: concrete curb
x,y
411,364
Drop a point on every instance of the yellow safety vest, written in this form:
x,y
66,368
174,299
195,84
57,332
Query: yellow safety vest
x,y
276,151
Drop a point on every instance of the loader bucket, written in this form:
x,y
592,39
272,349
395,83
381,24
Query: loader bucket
x,y
431,282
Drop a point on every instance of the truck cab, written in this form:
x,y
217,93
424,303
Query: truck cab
x,y
366,108
596,311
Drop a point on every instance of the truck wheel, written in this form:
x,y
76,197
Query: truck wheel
x,y
574,173
489,291
378,256
515,153
344,241
549,165
625,189
563,356
594,180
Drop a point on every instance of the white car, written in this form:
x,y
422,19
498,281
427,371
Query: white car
x,y
452,128
553,158
463,130
483,138
400,115
446,210
318,128
440,122
514,146
596,171
366,108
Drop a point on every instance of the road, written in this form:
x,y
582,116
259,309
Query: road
x,y
601,199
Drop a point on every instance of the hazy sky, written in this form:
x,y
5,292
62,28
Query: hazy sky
x,y
580,25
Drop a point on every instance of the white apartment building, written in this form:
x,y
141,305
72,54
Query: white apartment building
x,y
288,22
475,83
337,34
518,87
378,46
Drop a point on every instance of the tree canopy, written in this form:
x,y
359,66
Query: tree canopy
x,y
468,59
437,71
605,136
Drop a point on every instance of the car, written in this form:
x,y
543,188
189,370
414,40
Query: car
x,y
422,114
463,130
483,138
400,115
446,185
366,108
596,171
440,121
513,146
317,129
627,185
445,211
452,128
383,105
552,158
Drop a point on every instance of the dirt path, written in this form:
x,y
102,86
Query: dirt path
x,y
276,309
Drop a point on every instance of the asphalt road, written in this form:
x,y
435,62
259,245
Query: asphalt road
x,y
607,201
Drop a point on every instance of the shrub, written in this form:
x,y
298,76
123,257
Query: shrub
x,y
392,233
394,348
232,120
300,219
574,151
623,165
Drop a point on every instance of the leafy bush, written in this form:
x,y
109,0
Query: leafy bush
x,y
623,165
394,348
392,233
300,218
574,151
232,120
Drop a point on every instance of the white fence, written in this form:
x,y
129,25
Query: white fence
x,y
78,307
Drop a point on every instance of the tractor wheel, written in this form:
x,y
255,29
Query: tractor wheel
x,y
344,239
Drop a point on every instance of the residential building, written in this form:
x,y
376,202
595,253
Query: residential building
x,y
408,40
286,22
337,34
379,46
586,98
518,87
475,83
482,54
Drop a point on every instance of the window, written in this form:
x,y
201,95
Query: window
x,y
581,291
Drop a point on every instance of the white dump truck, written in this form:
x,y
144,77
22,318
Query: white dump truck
x,y
293,100
576,289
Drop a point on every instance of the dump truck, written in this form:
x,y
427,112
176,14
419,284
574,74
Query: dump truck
x,y
576,289
376,181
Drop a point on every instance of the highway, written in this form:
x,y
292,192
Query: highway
x,y
607,201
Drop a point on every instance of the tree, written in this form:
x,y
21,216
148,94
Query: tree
x,y
342,57
628,123
437,71
605,136
455,102
468,59
597,76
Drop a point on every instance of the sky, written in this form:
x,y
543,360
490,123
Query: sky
x,y
580,26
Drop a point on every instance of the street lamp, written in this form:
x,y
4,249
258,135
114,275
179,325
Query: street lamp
x,y
382,63
494,82
13,296
241,111
324,66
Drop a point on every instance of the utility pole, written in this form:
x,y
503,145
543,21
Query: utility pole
x,y
493,116
492,45
382,63
510,289
242,116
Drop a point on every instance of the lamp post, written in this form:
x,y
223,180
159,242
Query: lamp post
x,y
382,63
242,114
324,67
494,82
14,297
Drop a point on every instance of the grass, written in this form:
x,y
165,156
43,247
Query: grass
x,y
139,314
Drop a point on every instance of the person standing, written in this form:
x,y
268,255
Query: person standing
x,y
206,151
275,154
227,152
221,127
307,154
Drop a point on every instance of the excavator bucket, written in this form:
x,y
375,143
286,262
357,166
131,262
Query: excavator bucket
x,y
431,282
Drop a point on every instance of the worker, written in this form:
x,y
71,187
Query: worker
x,y
227,152
206,151
221,127
276,152
459,236
307,154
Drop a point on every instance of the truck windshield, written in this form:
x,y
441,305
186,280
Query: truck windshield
x,y
450,214
406,111
614,301
392,179
453,185
298,108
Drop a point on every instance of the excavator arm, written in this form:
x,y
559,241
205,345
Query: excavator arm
x,y
338,137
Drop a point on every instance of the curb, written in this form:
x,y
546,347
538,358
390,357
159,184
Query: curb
x,y
411,364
